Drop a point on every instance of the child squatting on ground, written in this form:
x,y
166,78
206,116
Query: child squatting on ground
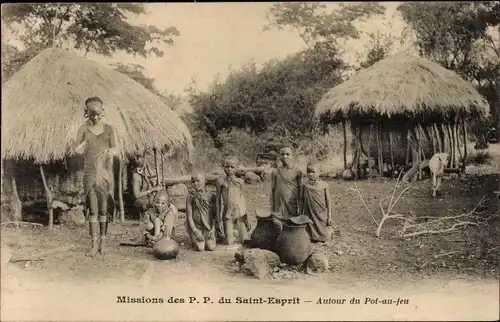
x,y
159,221
201,214
316,204
231,204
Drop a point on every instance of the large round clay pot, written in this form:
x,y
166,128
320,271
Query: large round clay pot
x,y
293,244
266,233
166,249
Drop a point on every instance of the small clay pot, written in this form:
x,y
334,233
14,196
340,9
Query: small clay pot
x,y
166,249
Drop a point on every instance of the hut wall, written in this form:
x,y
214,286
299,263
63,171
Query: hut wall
x,y
399,144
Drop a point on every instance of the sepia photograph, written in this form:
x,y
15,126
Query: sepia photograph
x,y
250,161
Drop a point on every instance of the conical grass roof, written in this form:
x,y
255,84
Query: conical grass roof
x,y
43,107
402,86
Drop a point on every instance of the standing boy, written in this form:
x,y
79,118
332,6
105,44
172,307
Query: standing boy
x,y
285,183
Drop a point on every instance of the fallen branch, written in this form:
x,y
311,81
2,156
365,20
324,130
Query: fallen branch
x,y
436,257
438,225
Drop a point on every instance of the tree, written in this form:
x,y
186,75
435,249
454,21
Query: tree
x,y
92,27
379,47
315,24
459,36
279,98
136,72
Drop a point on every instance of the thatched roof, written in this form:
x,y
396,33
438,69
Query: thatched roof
x,y
42,108
402,86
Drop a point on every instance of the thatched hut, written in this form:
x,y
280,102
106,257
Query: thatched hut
x,y
404,99
42,109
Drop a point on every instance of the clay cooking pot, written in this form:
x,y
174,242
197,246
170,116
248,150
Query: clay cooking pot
x,y
166,249
293,244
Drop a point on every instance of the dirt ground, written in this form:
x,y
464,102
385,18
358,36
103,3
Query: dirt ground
x,y
458,270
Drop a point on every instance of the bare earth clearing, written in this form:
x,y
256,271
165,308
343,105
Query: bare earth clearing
x,y
462,285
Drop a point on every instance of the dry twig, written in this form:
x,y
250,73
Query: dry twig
x,y
439,225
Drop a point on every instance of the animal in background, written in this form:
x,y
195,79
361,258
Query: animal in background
x,y
436,165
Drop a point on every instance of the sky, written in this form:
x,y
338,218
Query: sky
x,y
217,36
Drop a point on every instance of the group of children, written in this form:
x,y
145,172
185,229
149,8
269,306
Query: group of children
x,y
212,216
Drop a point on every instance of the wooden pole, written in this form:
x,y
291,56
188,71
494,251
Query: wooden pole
x,y
407,161
379,149
48,196
345,143
162,159
438,138
120,191
157,166
433,139
457,135
419,151
17,204
392,153
464,133
450,145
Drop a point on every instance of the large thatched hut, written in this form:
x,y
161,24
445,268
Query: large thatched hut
x,y
404,105
42,109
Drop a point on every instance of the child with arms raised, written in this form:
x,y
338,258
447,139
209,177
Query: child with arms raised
x,y
316,204
200,212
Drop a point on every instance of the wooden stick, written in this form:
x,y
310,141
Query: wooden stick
x,y
450,145
438,138
345,143
379,148
120,192
457,135
407,161
48,196
452,136
157,167
392,152
17,205
464,133
162,159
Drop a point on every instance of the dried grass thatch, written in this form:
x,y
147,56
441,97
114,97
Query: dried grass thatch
x,y
42,109
403,86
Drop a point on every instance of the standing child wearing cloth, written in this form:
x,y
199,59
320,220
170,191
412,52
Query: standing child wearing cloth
x,y
231,204
97,143
201,215
160,220
316,204
285,184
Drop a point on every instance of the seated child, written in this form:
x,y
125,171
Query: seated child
x,y
160,220
316,204
200,215
231,204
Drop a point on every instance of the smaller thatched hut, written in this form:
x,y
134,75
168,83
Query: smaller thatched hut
x,y
404,99
42,109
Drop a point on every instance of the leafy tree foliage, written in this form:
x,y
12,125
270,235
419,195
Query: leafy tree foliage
x,y
278,98
458,35
315,23
102,28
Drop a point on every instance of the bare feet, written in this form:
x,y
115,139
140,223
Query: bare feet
x,y
92,252
102,247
